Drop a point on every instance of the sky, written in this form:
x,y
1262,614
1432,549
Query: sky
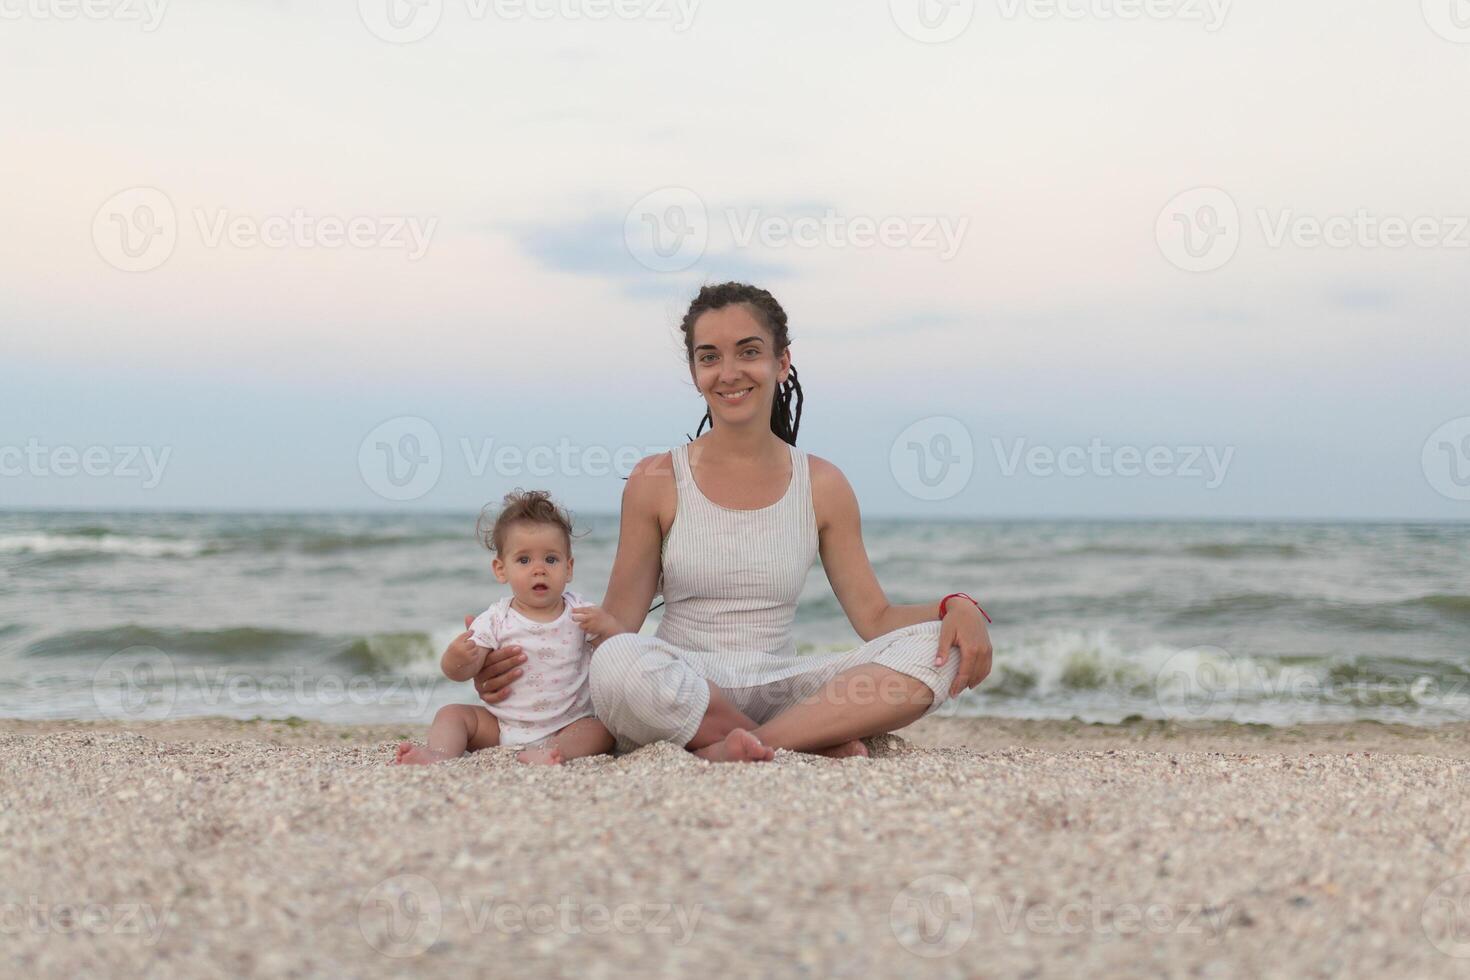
x,y
1087,258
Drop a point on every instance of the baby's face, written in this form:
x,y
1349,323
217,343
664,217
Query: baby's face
x,y
535,563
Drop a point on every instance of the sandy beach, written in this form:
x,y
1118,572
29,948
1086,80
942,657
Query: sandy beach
x,y
966,848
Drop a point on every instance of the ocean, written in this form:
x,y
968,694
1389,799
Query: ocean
x,y
342,617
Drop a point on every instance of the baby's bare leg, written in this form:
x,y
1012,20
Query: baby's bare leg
x,y
583,737
456,727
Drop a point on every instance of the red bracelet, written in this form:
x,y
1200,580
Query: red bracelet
x,y
960,595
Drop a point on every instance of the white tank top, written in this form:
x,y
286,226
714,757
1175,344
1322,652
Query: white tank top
x,y
731,578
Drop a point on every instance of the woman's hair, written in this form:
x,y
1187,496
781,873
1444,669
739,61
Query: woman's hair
x,y
521,507
763,306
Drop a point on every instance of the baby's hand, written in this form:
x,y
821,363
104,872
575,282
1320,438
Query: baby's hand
x,y
597,623
463,658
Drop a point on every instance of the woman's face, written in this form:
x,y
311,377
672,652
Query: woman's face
x,y
733,353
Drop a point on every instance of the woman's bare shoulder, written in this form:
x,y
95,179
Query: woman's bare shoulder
x,y
653,471
650,489
832,495
825,472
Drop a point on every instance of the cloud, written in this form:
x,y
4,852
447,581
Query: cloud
x,y
595,246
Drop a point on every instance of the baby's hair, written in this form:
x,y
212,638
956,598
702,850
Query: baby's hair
x,y
521,507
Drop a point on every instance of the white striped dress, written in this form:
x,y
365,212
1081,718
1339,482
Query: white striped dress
x,y
731,579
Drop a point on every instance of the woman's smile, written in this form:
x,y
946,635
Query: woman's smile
x,y
734,397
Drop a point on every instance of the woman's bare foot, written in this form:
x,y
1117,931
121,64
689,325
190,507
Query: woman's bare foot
x,y
847,750
738,746
410,754
544,755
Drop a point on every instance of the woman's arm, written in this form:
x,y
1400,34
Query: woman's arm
x,y
845,559
635,571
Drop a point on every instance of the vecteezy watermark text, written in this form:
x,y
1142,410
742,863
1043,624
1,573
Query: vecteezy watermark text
x,y
35,459
1208,682
404,915
36,917
1210,13
669,229
938,21
147,13
935,915
1100,459
407,21
301,229
145,684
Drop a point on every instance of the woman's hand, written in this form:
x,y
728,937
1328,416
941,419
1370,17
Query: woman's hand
x,y
597,623
963,626
502,667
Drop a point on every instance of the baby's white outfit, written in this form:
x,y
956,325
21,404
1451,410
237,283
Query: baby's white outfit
x,y
552,692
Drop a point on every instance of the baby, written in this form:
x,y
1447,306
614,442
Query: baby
x,y
549,708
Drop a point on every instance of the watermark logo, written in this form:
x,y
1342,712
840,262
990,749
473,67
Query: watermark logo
x,y
400,21
667,230
1199,230
932,21
1198,683
933,459
1450,19
401,459
933,916
136,684
1445,917
401,916
1446,459
147,13
136,230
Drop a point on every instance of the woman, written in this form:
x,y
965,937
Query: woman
x,y
728,526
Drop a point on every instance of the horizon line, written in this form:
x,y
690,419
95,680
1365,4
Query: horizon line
x,y
910,518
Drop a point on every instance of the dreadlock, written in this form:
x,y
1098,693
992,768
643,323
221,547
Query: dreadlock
x,y
784,421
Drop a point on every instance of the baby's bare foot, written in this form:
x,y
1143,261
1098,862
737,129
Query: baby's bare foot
x,y
847,750
738,746
410,754
543,755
